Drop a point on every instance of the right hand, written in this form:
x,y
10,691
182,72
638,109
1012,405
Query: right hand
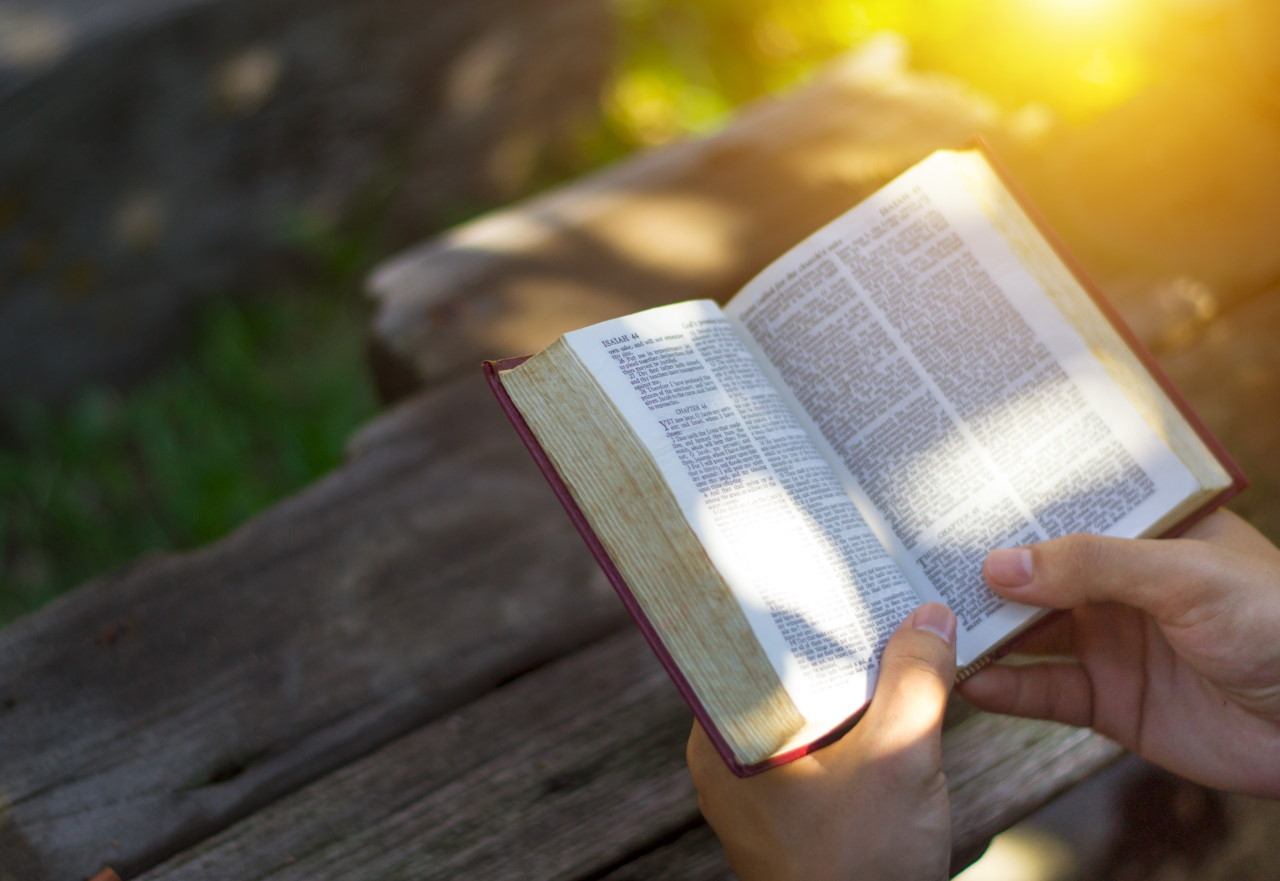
x,y
1176,645
874,804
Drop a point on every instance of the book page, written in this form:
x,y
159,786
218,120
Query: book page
x,y
960,408
817,588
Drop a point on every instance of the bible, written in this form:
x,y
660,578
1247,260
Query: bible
x,y
772,485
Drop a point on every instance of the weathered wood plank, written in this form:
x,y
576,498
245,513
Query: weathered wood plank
x,y
992,764
564,770
695,855
697,219
1000,769
1178,183
574,769
1231,374
154,706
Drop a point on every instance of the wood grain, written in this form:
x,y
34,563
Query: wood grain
x,y
693,855
571,770
567,769
1231,375
156,705
697,219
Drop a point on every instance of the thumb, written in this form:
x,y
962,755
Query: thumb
x,y
916,674
1163,577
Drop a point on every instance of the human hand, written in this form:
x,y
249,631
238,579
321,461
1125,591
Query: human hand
x,y
871,805
1176,645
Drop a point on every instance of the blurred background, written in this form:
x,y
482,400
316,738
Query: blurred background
x,y
188,203
192,193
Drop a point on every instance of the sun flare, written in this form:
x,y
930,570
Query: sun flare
x,y
1082,8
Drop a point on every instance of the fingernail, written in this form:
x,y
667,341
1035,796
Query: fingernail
x,y
937,619
1009,567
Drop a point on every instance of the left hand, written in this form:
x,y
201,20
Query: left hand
x,y
873,804
1169,647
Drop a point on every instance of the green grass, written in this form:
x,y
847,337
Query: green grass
x,y
260,404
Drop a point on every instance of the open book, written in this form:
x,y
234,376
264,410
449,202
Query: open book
x,y
774,485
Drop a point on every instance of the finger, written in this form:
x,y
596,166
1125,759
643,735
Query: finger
x,y
1053,636
704,762
1057,692
1164,578
1229,530
916,674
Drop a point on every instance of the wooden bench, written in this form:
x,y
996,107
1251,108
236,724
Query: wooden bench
x,y
413,669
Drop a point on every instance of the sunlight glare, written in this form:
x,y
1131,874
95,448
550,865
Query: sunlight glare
x,y
1023,853
1082,8
1098,69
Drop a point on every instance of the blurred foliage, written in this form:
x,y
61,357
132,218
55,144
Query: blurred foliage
x,y
258,405
686,65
